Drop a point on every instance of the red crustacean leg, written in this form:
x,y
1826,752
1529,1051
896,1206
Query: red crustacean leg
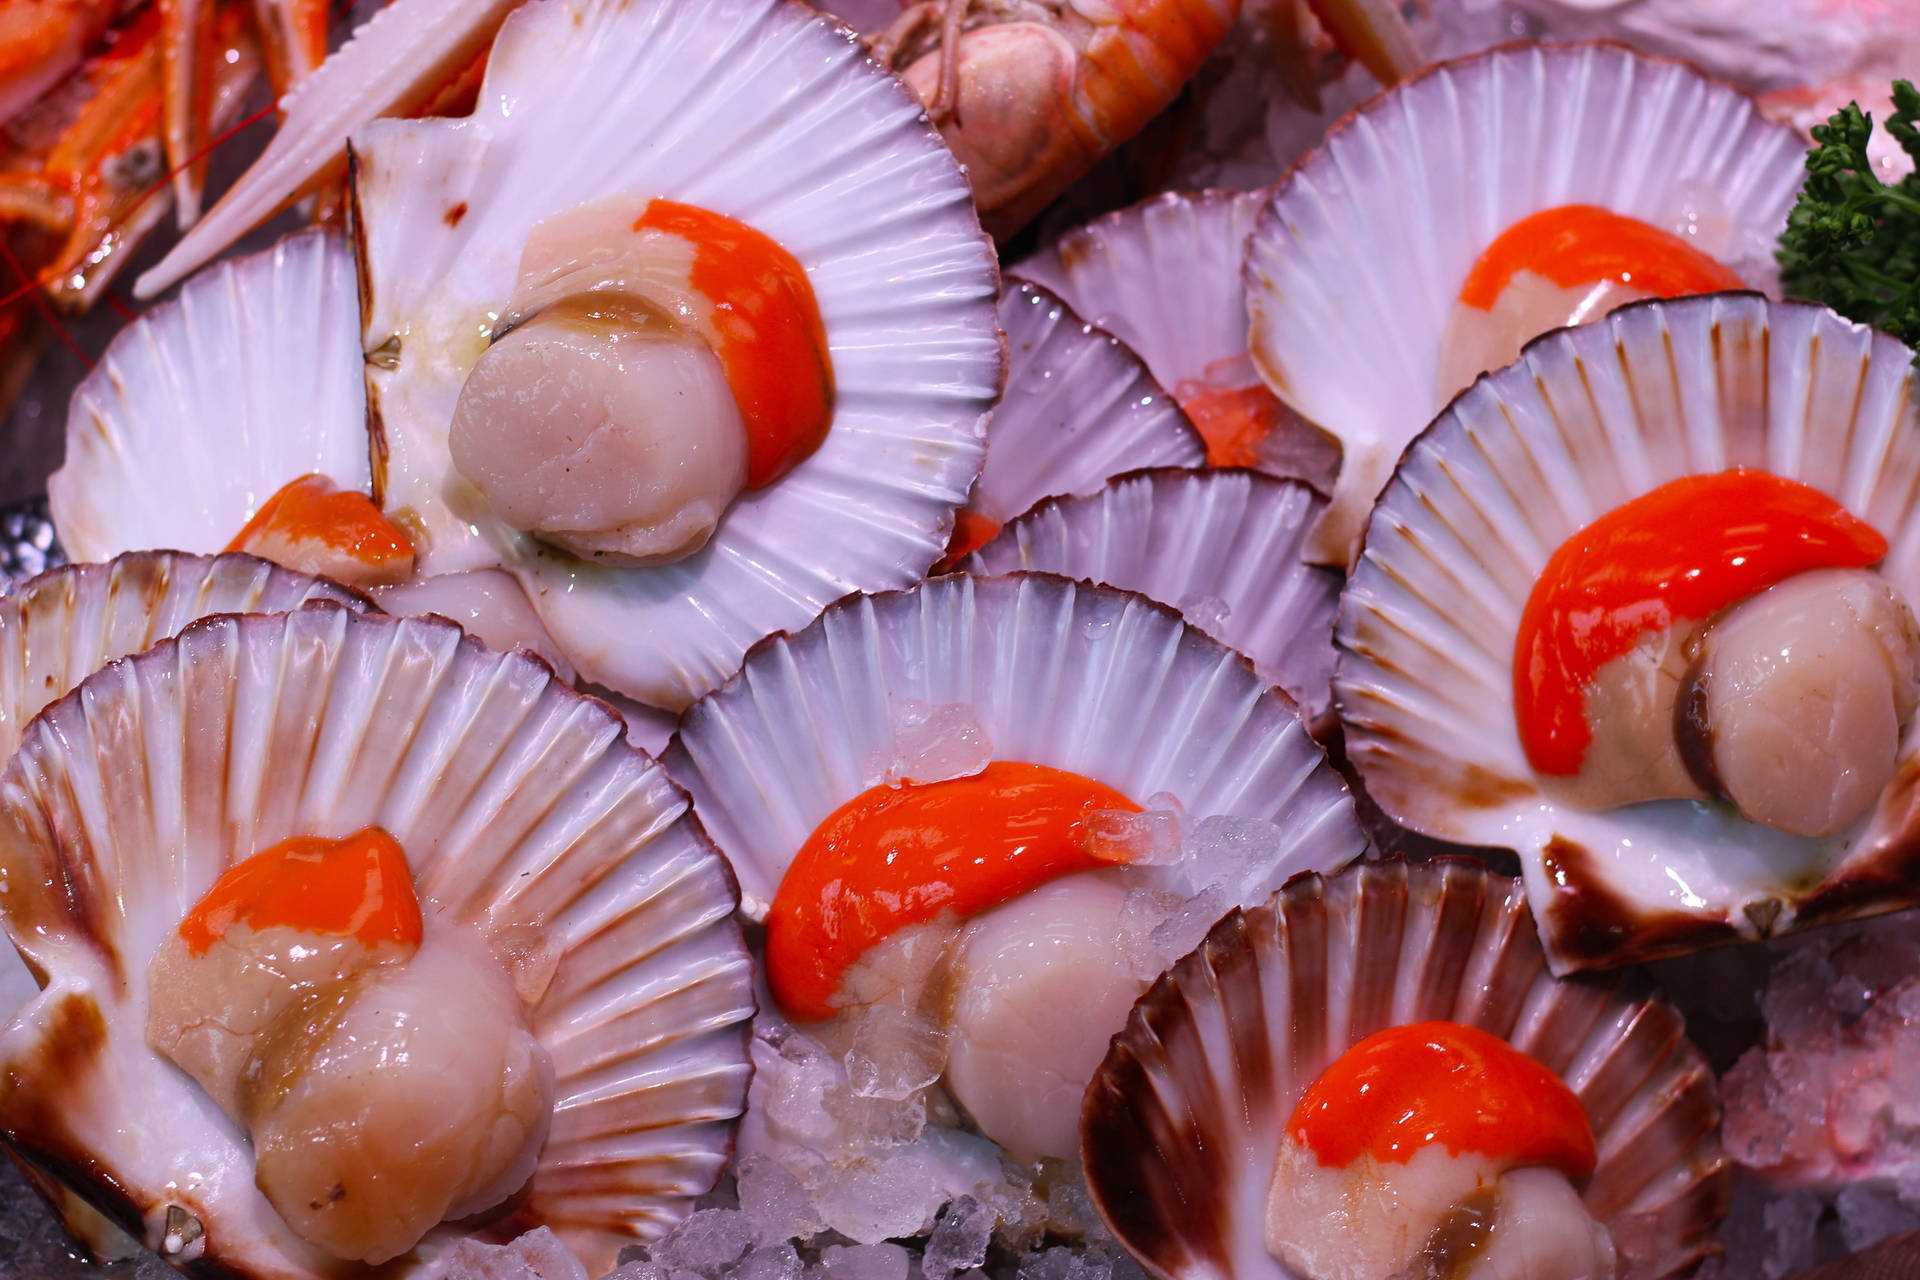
x,y
41,42
1373,33
186,34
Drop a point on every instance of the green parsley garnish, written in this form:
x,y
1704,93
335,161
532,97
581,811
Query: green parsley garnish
x,y
1853,242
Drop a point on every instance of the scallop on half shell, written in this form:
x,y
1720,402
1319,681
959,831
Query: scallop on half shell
x,y
762,111
1029,683
1165,277
1183,1125
1589,419
1362,255
524,818
204,407
1079,408
1222,545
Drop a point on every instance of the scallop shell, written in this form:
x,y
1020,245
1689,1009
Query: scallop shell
x,y
518,803
1354,268
207,405
1098,681
1079,409
1222,546
1181,1127
1590,418
66,624
1164,276
769,113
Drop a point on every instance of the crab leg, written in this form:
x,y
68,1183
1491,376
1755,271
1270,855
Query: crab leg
x,y
394,65
186,33
41,41
1373,33
293,34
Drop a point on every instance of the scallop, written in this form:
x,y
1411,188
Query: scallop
x,y
1033,675
566,1035
1191,1106
1354,283
1781,727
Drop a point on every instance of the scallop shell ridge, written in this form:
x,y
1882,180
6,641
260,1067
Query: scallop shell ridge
x,y
1079,408
1182,1124
1223,546
207,405
1102,682
1588,419
1350,280
518,804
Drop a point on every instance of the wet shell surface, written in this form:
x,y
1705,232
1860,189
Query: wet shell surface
x,y
519,807
207,405
1223,546
770,114
1354,269
1079,409
1589,419
1164,276
1090,679
1182,1125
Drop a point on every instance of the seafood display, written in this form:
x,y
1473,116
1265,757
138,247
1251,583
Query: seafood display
x,y
784,649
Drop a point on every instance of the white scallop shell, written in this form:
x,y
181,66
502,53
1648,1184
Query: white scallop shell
x,y
1164,276
758,109
1588,419
518,804
1079,408
207,405
1354,268
1223,546
1098,681
1181,1127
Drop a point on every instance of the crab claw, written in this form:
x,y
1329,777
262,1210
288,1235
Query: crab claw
x,y
394,65
294,36
1373,33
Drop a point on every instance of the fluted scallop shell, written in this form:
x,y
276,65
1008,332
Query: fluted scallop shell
x,y
207,405
1164,276
1356,264
519,805
1588,419
764,111
1098,681
69,622
1182,1125
1223,546
1079,408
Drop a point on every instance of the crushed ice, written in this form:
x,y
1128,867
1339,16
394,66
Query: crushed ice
x,y
929,742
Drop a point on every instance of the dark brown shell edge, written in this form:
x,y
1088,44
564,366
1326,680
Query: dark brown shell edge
x,y
1165,1121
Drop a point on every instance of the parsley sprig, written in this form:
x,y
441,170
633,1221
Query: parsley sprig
x,y
1853,241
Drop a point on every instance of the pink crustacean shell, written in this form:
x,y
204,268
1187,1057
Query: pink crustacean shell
x,y
1182,1124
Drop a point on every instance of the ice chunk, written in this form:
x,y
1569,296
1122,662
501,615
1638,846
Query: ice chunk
x,y
1869,1214
1234,855
796,1087
780,1262
537,1255
930,743
1208,613
1070,1212
959,1241
1150,838
882,1199
881,1121
1050,1264
894,1054
775,1201
706,1242
865,1262
1187,927
899,970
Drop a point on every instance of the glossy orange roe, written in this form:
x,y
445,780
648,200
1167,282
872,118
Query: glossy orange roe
x,y
1580,244
360,886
